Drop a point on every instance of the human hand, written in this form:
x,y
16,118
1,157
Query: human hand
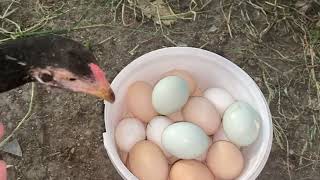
x,y
3,165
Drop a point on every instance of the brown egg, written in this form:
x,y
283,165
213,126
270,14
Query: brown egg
x,y
225,160
190,170
184,75
139,101
147,161
176,117
202,112
198,92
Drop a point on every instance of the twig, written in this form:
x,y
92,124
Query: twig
x,y
270,90
170,40
183,16
64,31
274,5
302,152
204,45
132,51
115,10
205,4
299,168
227,19
26,117
159,19
288,162
105,40
8,8
122,15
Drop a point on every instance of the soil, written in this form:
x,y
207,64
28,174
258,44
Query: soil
x,y
63,138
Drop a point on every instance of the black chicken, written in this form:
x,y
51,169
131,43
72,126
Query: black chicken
x,y
54,61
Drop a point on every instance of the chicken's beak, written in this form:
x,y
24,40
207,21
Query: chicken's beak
x,y
105,93
103,90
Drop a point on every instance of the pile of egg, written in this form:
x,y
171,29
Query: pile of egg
x,y
175,131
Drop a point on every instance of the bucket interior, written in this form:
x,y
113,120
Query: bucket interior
x,y
209,70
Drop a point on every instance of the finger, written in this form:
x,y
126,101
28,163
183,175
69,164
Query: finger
x,y
1,130
3,170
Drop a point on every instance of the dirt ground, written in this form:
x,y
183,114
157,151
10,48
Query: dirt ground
x,y
277,42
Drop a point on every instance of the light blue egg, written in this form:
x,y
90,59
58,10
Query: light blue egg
x,y
185,140
241,123
170,94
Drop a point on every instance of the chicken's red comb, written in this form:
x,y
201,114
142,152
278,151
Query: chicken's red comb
x,y
98,74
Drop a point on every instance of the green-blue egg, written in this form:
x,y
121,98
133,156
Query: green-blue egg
x,y
241,123
170,94
185,140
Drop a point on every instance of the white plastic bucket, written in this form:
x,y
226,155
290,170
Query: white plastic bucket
x,y
209,70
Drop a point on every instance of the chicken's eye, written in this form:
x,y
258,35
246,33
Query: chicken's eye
x,y
72,79
46,77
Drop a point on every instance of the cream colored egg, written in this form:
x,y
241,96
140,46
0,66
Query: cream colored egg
x,y
190,170
147,162
139,101
225,160
200,111
184,75
220,98
155,129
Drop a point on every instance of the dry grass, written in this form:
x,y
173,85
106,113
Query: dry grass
x,y
11,30
275,16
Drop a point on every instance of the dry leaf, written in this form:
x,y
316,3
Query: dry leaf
x,y
155,10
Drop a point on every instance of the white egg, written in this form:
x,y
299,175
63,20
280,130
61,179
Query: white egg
x,y
170,94
185,140
129,131
155,129
220,98
241,123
